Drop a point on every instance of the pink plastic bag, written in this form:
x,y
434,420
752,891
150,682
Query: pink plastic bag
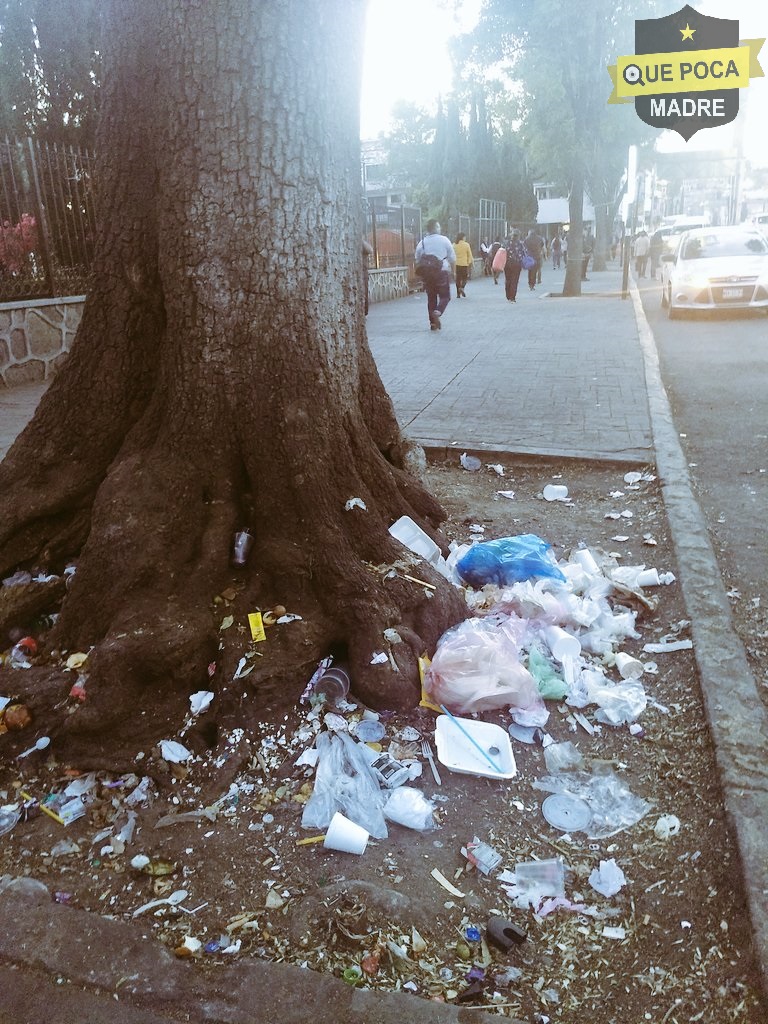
x,y
477,667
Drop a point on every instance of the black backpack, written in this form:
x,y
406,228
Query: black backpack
x,y
429,268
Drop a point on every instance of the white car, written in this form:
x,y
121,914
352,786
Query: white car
x,y
716,268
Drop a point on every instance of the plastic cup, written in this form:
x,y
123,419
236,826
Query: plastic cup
x,y
562,645
241,548
629,667
333,685
555,492
345,835
648,578
585,558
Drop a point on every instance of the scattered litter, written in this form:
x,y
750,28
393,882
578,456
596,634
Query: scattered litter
x,y
442,880
470,462
508,560
409,807
174,752
555,492
608,878
614,932
355,503
533,881
668,646
483,856
200,701
667,825
496,467
506,494
613,806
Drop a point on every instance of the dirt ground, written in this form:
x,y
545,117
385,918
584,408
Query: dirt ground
x,y
252,890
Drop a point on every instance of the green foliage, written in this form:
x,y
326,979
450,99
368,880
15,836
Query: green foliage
x,y
49,69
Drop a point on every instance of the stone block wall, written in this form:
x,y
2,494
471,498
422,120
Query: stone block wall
x,y
389,283
35,336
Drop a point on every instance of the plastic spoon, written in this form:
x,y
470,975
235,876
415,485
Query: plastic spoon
x,y
173,900
40,744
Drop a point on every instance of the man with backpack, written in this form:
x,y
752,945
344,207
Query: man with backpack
x,y
435,259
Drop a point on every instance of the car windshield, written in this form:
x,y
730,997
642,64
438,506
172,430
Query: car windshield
x,y
710,244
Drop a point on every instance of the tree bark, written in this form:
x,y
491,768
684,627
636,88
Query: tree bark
x,y
221,378
572,282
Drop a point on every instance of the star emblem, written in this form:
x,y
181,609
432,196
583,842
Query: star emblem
x,y
687,32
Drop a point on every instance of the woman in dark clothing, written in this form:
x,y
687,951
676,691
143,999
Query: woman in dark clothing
x,y
513,266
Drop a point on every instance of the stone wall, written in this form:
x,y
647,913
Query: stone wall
x,y
35,336
390,283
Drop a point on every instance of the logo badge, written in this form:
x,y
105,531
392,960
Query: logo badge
x,y
686,72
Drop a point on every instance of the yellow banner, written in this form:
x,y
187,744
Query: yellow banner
x,y
654,74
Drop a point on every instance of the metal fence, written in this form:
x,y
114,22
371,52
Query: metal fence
x,y
47,220
393,231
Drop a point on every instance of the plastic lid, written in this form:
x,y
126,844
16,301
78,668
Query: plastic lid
x,y
369,731
567,813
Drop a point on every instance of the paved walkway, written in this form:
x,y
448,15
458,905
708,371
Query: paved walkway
x,y
545,376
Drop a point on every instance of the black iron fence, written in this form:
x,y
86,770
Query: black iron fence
x,y
47,220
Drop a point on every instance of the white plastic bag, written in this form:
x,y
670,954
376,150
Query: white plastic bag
x,y
477,667
408,806
344,782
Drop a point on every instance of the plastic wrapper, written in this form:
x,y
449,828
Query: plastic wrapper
x,y
477,667
562,757
344,782
551,685
409,807
619,703
508,560
614,807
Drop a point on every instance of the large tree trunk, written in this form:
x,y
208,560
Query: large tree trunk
x,y
572,282
221,378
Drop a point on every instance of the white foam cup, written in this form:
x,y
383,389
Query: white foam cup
x,y
585,558
629,667
345,835
561,644
648,578
555,492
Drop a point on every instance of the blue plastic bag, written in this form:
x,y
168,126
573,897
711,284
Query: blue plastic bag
x,y
508,560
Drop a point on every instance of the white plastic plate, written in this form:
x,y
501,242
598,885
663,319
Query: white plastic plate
x,y
459,754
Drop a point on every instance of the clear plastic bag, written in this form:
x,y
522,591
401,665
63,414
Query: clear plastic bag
x,y
614,807
477,667
408,806
508,560
344,782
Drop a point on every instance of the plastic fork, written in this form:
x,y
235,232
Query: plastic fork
x,y
426,751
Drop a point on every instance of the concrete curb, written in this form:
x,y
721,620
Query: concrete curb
x,y
737,718
119,960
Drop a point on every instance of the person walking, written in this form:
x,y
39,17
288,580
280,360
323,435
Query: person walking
x,y
435,259
534,246
491,257
485,253
557,251
642,249
463,253
513,266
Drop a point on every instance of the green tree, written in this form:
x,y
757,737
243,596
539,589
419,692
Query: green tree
x,y
221,378
558,54
50,69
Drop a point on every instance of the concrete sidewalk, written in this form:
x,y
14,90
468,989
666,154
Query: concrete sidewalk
x,y
544,376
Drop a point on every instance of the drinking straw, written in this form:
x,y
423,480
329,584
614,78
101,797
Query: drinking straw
x,y
471,739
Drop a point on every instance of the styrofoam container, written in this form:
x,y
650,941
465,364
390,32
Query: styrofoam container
x,y
459,755
412,536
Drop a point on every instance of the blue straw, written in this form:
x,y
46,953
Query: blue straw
x,y
471,739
